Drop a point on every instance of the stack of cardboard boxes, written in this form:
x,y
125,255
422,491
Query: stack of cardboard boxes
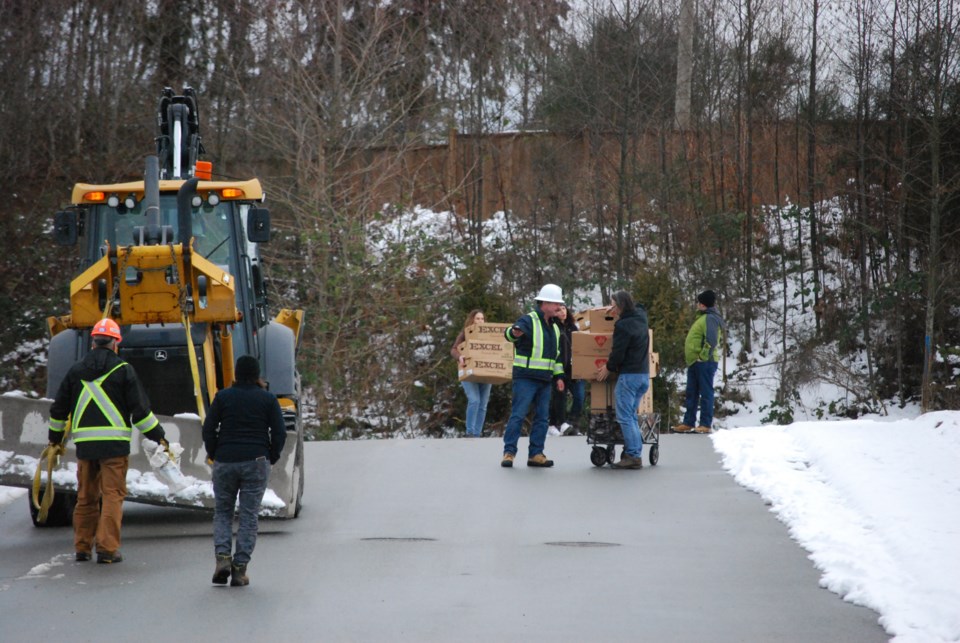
x,y
487,355
591,348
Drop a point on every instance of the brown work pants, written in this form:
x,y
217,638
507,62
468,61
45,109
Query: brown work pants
x,y
101,488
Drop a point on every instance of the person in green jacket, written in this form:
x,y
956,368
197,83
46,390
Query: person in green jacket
x,y
702,352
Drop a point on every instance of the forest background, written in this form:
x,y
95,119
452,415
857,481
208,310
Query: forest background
x,y
663,146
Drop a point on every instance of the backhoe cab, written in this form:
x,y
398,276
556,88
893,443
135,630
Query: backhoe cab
x,y
174,260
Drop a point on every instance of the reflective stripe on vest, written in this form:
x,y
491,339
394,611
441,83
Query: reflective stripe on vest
x,y
93,392
536,360
147,423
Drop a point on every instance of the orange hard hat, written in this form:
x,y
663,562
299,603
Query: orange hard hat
x,y
106,328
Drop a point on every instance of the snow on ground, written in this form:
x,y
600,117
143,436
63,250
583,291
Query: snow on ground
x,y
9,494
877,505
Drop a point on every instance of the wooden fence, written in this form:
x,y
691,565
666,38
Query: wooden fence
x,y
524,171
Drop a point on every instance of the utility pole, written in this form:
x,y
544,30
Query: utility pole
x,y
685,64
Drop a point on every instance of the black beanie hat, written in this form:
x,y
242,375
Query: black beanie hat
x,y
248,369
708,298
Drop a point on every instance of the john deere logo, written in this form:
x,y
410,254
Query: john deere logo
x,y
160,356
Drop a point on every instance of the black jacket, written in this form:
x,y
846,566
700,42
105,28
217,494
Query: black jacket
x,y
631,343
243,423
124,390
566,350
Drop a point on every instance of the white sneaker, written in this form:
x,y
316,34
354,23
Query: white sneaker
x,y
566,426
553,431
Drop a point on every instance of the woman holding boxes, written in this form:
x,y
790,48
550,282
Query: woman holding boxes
x,y
630,360
478,395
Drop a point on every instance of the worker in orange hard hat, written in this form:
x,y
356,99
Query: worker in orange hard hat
x,y
106,401
107,328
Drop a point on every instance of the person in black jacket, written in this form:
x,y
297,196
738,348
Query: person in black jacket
x,y
243,434
558,400
630,360
103,394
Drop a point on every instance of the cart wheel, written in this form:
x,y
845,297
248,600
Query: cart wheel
x,y
654,454
611,453
598,456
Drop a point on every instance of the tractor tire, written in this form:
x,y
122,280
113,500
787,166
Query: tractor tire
x,y
60,513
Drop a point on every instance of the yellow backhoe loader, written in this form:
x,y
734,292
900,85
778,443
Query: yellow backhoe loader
x,y
174,260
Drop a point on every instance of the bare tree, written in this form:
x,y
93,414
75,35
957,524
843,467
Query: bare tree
x,y
942,25
815,256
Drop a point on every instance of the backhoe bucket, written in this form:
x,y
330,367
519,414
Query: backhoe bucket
x,y
23,436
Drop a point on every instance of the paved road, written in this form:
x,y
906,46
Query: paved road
x,y
430,540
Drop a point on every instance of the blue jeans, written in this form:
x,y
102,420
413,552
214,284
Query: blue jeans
x,y
248,480
528,392
700,393
478,395
629,391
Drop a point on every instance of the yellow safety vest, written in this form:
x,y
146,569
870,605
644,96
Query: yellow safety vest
x,y
535,360
116,427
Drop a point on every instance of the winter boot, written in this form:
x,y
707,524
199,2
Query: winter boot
x,y
238,575
703,429
507,461
539,460
682,428
222,572
628,462
107,557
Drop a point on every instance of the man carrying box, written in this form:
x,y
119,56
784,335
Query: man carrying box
x,y
536,365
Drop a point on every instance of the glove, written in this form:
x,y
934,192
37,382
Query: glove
x,y
166,447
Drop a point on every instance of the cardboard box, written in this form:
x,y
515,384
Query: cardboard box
x,y
487,355
589,351
602,398
486,370
486,340
487,332
482,348
584,367
591,344
654,358
595,320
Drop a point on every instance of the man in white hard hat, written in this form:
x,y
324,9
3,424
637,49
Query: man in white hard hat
x,y
537,368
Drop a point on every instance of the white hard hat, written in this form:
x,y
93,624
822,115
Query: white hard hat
x,y
551,293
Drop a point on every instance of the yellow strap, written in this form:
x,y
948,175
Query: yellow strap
x,y
194,369
51,453
191,349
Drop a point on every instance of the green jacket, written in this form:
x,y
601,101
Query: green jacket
x,y
704,338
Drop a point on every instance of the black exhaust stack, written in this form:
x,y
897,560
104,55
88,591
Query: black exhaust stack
x,y
150,233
